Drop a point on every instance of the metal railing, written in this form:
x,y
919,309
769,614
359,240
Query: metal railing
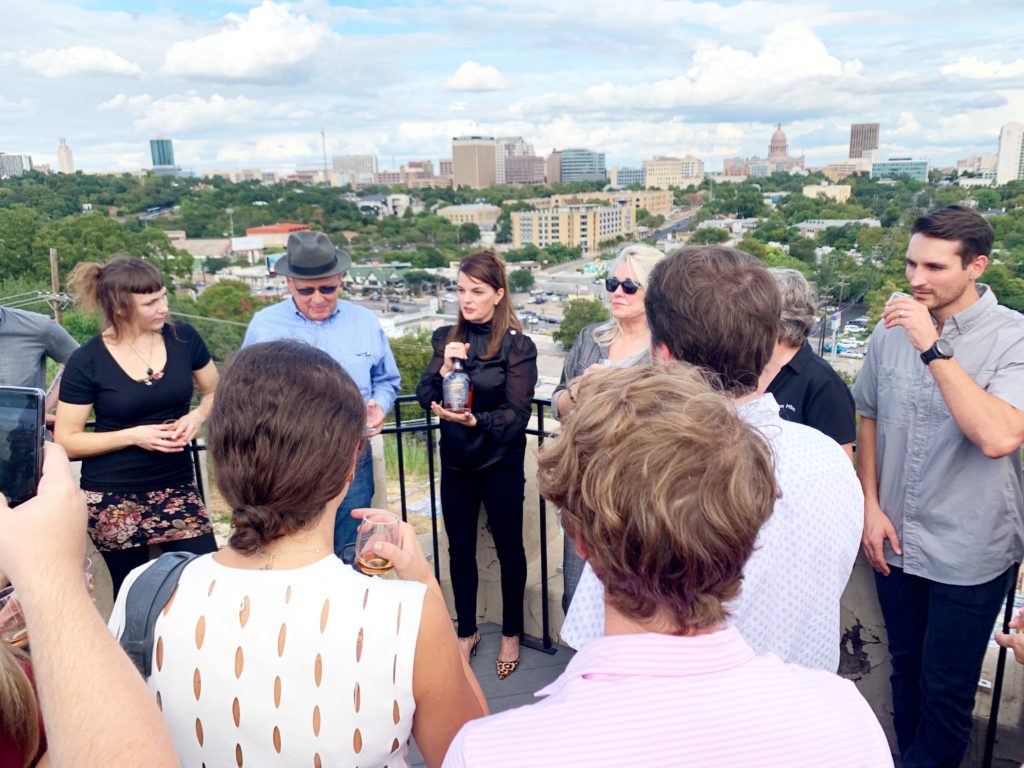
x,y
427,424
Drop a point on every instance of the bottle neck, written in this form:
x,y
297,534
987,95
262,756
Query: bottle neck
x,y
457,365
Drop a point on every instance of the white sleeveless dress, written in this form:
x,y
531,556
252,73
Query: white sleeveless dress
x,y
306,667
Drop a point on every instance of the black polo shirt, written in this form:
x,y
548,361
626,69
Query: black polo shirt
x,y
809,391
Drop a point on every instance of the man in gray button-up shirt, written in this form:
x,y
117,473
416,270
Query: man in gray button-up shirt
x,y
941,399
26,340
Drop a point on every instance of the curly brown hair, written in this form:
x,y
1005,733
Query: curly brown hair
x,y
664,487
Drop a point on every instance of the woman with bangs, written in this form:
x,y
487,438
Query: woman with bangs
x,y
483,451
138,376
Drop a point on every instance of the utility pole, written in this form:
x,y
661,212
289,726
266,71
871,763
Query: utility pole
x,y
58,313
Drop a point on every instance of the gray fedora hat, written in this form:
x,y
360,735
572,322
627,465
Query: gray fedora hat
x,y
311,255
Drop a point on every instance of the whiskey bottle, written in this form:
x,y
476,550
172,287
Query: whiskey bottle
x,y
457,389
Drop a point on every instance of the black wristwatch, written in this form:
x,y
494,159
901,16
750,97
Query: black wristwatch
x,y
940,350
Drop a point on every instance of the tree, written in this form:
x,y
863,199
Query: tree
x,y
469,232
579,313
709,236
412,353
802,249
520,280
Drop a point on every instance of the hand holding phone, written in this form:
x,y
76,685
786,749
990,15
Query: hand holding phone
x,y
22,413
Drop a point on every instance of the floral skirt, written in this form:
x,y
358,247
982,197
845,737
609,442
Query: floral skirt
x,y
126,520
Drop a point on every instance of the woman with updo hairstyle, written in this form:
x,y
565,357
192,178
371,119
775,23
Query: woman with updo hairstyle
x,y
273,651
483,451
137,376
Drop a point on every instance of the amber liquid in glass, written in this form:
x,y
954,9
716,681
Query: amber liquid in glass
x,y
17,637
374,565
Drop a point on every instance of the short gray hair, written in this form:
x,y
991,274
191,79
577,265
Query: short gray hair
x,y
799,306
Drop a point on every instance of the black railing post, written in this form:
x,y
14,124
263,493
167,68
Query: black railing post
x,y
401,460
997,687
433,496
197,465
544,643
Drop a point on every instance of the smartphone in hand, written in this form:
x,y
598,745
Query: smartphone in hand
x,y
22,414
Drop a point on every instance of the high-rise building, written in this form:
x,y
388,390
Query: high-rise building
x,y
582,165
1010,162
666,172
354,164
507,147
473,161
444,167
863,138
14,165
553,168
162,151
65,160
524,169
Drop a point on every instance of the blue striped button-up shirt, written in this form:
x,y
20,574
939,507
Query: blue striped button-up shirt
x,y
352,336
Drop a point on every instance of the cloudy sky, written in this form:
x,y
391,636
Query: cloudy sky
x,y
236,83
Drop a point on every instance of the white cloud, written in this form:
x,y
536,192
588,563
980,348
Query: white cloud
x,y
78,60
457,106
189,111
10,110
271,43
973,67
471,76
792,70
270,149
907,125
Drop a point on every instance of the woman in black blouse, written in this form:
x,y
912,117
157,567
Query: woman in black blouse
x,y
482,452
138,377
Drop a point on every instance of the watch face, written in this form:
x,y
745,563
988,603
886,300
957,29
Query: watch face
x,y
944,348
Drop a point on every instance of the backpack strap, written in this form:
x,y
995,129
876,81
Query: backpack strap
x,y
146,598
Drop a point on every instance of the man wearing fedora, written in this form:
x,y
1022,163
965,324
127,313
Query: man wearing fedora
x,y
350,334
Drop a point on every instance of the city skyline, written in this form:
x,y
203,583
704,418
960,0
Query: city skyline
x,y
245,84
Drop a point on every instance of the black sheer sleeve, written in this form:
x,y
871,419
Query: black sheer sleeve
x,y
429,388
508,422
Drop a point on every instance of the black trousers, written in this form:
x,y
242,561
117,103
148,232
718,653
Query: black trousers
x,y
121,562
500,487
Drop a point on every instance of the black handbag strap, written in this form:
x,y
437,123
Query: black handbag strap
x,y
146,598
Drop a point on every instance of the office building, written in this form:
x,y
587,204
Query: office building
x,y
626,177
582,165
444,167
897,167
863,138
524,169
652,200
14,165
483,215
666,172
983,165
507,147
553,168
358,164
162,151
1010,160
65,160
473,161
575,226
838,193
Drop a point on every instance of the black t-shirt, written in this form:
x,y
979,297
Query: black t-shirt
x,y
502,397
809,391
93,377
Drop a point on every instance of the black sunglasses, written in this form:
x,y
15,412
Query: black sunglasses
x,y
325,290
628,286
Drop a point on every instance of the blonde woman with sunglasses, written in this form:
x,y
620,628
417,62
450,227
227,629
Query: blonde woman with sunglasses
x,y
621,342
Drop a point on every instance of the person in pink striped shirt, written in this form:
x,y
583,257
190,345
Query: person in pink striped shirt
x,y
664,487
